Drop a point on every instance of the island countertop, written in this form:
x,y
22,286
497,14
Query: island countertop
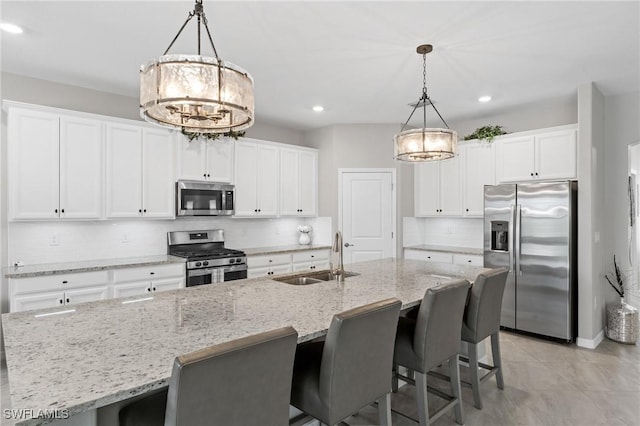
x,y
102,352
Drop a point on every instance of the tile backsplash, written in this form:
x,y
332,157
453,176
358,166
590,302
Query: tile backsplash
x,y
50,242
457,232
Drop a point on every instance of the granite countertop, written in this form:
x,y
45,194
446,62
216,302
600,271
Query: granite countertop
x,y
86,266
102,352
448,249
283,249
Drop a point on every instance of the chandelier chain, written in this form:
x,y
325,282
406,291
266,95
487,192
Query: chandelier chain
x,y
424,75
202,18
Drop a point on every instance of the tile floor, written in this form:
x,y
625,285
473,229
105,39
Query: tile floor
x,y
545,384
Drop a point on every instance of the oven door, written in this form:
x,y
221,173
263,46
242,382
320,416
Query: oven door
x,y
215,275
204,199
235,272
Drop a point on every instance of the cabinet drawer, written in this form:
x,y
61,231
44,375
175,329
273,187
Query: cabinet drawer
x,y
310,256
429,256
468,259
148,272
268,260
58,282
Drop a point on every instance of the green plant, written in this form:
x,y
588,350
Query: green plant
x,y
212,136
616,280
486,133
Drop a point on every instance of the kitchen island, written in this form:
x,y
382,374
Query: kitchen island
x,y
99,353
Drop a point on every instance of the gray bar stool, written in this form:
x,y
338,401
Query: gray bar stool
x,y
245,381
351,368
430,340
481,320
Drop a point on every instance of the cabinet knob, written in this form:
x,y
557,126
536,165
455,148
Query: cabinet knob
x,y
61,301
154,289
255,210
428,257
139,210
270,260
152,273
536,175
65,282
469,260
56,210
204,175
259,210
62,211
531,174
67,300
145,210
149,289
208,175
467,209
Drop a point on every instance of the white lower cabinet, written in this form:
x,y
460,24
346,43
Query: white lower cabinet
x,y
468,259
137,281
311,260
275,264
444,257
57,290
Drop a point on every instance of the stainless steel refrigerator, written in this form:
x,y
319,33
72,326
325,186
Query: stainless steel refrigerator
x,y
531,229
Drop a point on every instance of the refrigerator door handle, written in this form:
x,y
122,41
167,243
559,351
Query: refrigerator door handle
x,y
516,246
512,218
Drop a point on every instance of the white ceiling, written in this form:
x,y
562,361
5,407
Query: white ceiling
x,y
356,58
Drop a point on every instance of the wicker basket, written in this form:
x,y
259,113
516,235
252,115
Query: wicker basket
x,y
622,323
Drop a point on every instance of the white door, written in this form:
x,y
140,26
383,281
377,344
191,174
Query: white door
x,y
80,168
367,215
124,170
157,174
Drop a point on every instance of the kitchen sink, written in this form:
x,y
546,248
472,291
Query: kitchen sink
x,y
311,278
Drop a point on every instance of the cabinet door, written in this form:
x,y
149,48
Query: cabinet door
x,y
192,160
33,153
124,170
81,154
37,301
89,294
267,180
426,189
515,160
308,186
289,182
219,160
556,155
450,188
157,174
167,284
131,289
478,170
246,165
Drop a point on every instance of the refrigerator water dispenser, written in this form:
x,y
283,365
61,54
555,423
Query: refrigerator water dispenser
x,y
499,235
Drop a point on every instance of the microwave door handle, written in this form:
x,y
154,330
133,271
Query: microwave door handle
x,y
223,200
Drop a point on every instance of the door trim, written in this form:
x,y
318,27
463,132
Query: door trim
x,y
394,222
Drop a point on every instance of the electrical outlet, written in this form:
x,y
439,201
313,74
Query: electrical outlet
x,y
17,263
449,230
54,239
124,238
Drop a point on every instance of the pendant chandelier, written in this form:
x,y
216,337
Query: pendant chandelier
x,y
425,144
196,93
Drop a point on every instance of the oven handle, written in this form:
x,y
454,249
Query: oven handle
x,y
235,268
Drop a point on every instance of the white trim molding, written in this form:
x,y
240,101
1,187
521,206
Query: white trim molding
x,y
591,343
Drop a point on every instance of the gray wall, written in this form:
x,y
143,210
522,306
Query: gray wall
x,y
622,128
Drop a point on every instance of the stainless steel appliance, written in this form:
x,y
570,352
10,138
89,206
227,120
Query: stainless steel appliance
x,y
204,198
531,229
208,261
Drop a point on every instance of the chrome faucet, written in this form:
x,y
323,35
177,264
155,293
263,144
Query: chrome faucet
x,y
337,248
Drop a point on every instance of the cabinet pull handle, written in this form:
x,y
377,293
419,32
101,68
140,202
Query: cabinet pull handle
x,y
65,282
56,210
152,273
61,301
67,300
428,257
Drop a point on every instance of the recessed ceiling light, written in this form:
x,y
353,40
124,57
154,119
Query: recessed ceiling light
x,y
484,98
10,28
318,108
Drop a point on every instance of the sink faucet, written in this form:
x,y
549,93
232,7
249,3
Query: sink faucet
x,y
337,248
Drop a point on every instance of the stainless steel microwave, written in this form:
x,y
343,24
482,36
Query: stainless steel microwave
x,y
195,198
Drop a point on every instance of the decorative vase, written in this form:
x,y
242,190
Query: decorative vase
x,y
305,238
622,323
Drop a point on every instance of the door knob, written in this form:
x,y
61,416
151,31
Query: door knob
x,y
349,245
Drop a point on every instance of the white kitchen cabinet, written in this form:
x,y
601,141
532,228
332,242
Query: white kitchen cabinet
x,y
140,179
540,155
311,260
256,178
268,265
429,256
136,288
468,259
205,160
478,170
438,189
137,281
57,290
55,166
298,182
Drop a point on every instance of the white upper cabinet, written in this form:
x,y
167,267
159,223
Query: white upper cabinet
x,y
256,178
298,182
205,160
438,189
55,168
540,155
478,170
140,178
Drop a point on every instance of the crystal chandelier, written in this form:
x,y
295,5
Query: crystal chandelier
x,y
425,144
196,93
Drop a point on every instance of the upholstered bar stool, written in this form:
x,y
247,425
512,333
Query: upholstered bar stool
x,y
430,340
351,368
481,320
242,382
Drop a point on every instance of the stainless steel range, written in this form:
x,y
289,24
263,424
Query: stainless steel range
x,y
208,261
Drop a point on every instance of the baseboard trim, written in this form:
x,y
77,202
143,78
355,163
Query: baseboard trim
x,y
591,343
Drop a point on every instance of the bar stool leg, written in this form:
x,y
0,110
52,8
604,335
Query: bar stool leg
x,y
421,398
384,410
454,374
475,374
394,379
497,360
